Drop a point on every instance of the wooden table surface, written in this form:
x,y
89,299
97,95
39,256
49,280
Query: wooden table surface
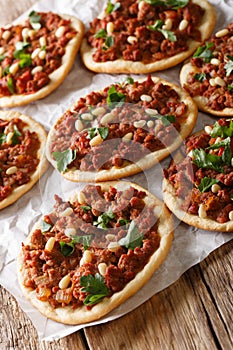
x,y
193,313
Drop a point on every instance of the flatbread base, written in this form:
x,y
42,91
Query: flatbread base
x,y
43,164
201,101
80,315
144,163
56,77
122,66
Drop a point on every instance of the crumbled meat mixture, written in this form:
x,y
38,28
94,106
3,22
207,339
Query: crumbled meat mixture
x,y
104,219
132,36
202,81
207,161
18,155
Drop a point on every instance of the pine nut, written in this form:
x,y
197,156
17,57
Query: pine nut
x,y
70,231
215,61
107,118
113,246
36,70
81,197
25,33
183,24
215,188
222,33
139,124
1,71
219,81
9,138
31,33
78,125
42,54
146,98
1,50
35,52
217,140
97,140
140,5
167,24
110,28
14,68
86,258
231,215
87,116
64,282
132,39
208,129
151,111
212,82
102,267
231,161
127,137
12,170
6,35
42,41
60,31
67,212
50,244
150,123
110,237
202,212
190,154
98,111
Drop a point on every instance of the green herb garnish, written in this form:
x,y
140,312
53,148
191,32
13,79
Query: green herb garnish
x,y
133,238
200,76
64,158
129,81
157,26
2,138
45,227
10,85
230,87
86,208
227,154
84,240
103,131
101,34
207,161
222,131
165,119
95,287
15,136
115,98
229,65
108,42
104,219
112,7
206,183
67,248
204,52
34,20
174,4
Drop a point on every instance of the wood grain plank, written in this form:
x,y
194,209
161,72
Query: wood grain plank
x,y
181,317
17,331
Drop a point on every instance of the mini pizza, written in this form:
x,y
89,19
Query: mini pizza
x,y
94,251
208,77
36,55
22,155
121,130
146,36
198,183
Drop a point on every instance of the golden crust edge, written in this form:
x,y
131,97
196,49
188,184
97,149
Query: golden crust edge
x,y
121,66
82,315
43,163
58,75
148,161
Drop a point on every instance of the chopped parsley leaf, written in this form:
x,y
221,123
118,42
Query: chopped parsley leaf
x,y
95,287
64,158
204,52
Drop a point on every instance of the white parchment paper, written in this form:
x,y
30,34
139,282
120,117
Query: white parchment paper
x,y
190,245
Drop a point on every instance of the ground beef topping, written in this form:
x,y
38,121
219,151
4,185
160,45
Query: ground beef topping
x,y
145,31
212,77
203,179
132,118
91,247
18,155
29,53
